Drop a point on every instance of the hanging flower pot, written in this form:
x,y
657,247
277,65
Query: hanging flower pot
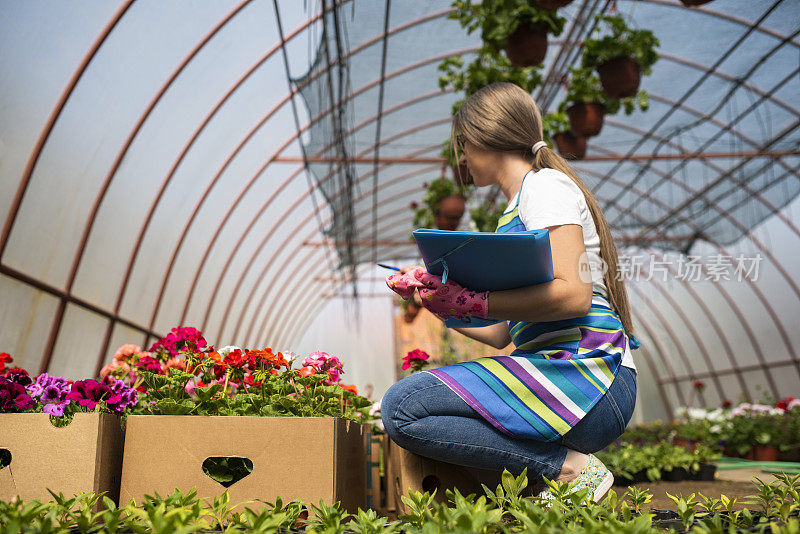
x,y
620,77
585,118
690,3
553,4
527,46
451,209
569,146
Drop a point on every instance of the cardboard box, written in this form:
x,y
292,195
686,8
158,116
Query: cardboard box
x,y
375,494
307,458
416,473
84,456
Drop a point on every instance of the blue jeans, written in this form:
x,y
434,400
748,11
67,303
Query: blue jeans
x,y
421,414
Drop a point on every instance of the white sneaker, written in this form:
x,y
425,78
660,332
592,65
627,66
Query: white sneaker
x,y
594,476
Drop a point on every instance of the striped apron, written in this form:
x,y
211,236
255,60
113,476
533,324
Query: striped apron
x,y
556,374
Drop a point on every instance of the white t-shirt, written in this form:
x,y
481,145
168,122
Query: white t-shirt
x,y
550,198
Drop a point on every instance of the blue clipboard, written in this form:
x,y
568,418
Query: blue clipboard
x,y
486,261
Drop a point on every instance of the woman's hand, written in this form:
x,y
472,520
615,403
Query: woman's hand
x,y
452,300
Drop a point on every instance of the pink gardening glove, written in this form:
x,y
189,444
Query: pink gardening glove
x,y
452,300
405,284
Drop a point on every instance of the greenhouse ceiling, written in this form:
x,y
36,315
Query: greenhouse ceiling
x,y
235,164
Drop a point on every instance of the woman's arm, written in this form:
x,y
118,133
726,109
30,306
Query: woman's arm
x,y
568,295
495,335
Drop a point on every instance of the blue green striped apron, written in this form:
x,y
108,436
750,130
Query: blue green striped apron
x,y
556,374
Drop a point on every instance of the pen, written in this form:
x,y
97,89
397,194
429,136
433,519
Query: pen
x,y
388,267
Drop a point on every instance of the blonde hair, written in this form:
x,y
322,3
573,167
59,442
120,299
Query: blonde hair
x,y
502,117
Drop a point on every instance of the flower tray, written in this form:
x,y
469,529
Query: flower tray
x,y
84,456
307,458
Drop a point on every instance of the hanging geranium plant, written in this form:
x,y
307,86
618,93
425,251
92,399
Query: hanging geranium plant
x,y
587,104
519,27
443,205
620,54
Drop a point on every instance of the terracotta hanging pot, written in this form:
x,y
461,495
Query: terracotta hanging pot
x,y
620,77
527,46
569,146
765,453
586,118
553,4
451,209
690,3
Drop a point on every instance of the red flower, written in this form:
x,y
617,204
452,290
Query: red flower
x,y
13,397
250,381
784,404
4,359
89,392
416,359
235,358
699,385
18,375
307,371
727,403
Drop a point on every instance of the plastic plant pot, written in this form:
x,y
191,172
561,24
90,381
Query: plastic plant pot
x,y
553,4
569,146
586,118
527,46
620,77
451,209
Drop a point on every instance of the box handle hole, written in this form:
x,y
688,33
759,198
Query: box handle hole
x,y
430,483
227,470
5,458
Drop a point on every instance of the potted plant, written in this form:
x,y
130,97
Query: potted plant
x,y
587,103
519,27
486,68
444,204
620,56
486,216
229,411
556,129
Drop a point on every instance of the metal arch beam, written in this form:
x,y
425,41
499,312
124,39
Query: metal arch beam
x,y
51,121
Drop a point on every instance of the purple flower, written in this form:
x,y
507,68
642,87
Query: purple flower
x,y
122,396
56,409
55,388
